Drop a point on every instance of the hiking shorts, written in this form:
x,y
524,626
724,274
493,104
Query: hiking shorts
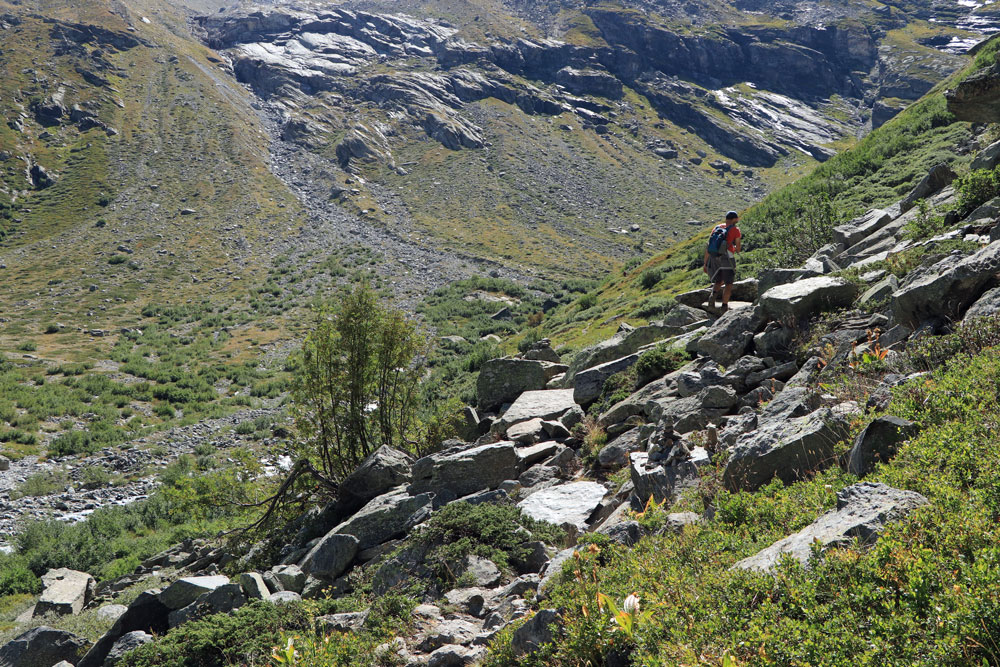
x,y
721,269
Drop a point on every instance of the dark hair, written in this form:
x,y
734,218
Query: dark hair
x,y
732,215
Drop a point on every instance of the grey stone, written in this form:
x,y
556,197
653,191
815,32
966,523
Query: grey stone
x,y
807,297
947,288
774,277
878,443
718,397
626,533
529,456
554,567
857,229
527,432
785,371
222,600
676,521
787,448
483,572
184,591
664,482
572,503
573,417
556,429
254,587
503,380
111,612
536,475
65,592
385,517
545,405
986,306
587,384
863,510
292,578
467,470
284,597
4,463
774,340
986,158
350,621
534,634
125,644
468,600
880,290
383,470
615,453
450,655
681,316
536,555
728,339
448,632
743,290
42,647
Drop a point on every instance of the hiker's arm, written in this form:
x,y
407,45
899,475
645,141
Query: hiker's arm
x,y
739,244
704,266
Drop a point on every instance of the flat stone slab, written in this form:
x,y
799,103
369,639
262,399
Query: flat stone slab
x,y
66,592
808,296
572,503
545,404
385,517
863,511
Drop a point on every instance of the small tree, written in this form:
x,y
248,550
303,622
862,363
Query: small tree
x,y
355,389
357,383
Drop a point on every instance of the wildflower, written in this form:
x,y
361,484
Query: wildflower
x,y
631,604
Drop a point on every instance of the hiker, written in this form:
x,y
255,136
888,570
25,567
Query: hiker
x,y
720,258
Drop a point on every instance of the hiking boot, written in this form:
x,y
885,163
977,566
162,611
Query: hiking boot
x,y
725,308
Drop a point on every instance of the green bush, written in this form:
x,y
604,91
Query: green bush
x,y
42,483
650,277
975,188
489,530
659,361
588,300
117,259
27,346
16,578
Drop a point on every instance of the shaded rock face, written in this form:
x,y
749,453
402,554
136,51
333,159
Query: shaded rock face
x,y
878,443
862,513
42,647
977,98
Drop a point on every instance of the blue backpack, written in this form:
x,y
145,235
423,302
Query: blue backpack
x,y
717,241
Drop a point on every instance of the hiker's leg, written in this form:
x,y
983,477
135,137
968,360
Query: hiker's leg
x,y
727,293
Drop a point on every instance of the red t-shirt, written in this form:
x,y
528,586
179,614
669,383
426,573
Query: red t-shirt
x,y
732,235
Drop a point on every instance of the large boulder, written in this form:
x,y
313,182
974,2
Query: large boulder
x,y
42,647
587,384
743,290
383,470
774,277
858,228
502,380
65,592
948,288
331,556
385,517
186,590
664,482
222,600
878,443
546,405
466,470
728,339
806,297
572,503
787,448
977,97
862,513
987,158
